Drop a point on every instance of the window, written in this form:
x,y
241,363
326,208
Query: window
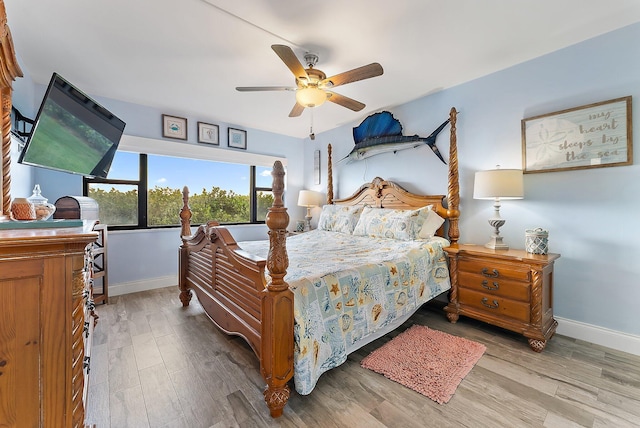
x,y
262,192
145,191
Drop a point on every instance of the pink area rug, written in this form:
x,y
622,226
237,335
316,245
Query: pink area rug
x,y
428,361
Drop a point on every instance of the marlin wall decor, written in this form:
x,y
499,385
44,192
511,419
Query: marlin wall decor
x,y
382,133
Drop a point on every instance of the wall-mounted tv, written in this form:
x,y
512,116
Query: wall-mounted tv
x,y
72,133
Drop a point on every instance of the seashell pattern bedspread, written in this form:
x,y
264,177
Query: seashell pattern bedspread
x,y
349,287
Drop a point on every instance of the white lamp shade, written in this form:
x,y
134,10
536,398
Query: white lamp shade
x,y
499,183
308,198
311,96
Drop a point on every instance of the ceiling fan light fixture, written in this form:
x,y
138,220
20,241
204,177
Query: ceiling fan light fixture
x,y
311,96
313,88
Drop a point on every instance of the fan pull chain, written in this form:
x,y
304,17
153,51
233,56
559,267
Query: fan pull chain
x,y
311,134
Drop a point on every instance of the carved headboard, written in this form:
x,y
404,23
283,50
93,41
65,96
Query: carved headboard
x,y
387,194
9,70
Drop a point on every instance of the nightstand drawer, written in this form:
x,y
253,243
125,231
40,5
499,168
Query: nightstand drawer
x,y
495,305
495,286
491,269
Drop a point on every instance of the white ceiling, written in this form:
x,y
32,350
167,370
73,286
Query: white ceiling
x,y
186,57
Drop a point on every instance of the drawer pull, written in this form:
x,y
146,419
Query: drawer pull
x,y
493,274
494,306
485,285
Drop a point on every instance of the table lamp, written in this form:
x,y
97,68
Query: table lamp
x,y
498,184
308,198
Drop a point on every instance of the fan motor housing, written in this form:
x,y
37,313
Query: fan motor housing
x,y
315,77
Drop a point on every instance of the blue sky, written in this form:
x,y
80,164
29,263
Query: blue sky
x,y
196,174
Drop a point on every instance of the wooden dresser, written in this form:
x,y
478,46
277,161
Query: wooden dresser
x,y
512,289
46,322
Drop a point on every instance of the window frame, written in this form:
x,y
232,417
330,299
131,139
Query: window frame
x,y
142,185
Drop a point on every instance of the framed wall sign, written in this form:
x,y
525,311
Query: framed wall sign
x,y
174,127
237,138
208,133
592,136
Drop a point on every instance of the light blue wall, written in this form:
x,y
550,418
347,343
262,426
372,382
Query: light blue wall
x,y
591,215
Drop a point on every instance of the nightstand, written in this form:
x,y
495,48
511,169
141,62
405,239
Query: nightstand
x,y
511,289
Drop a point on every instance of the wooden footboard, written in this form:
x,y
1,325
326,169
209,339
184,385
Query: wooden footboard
x,y
224,277
232,288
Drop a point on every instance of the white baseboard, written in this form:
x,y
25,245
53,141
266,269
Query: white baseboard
x,y
143,285
599,335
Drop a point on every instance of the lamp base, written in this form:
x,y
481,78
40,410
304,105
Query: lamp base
x,y
496,243
496,240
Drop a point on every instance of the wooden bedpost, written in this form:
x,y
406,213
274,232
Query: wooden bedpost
x,y
453,201
9,71
185,213
329,177
277,305
185,233
453,190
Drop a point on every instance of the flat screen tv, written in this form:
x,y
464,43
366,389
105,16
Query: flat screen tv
x,y
72,133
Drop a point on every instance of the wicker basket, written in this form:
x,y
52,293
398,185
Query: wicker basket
x,y
536,241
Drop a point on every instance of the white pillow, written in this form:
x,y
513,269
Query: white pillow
x,y
339,218
431,225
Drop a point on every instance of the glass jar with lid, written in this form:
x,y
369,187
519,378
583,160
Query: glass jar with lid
x,y
43,209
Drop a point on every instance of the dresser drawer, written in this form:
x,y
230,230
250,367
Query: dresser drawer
x,y
494,270
501,287
494,305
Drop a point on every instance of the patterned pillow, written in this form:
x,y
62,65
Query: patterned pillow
x,y
339,218
391,223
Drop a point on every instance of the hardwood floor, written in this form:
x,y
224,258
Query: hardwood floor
x,y
156,364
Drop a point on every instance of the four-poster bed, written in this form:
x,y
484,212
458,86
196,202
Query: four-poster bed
x,y
247,295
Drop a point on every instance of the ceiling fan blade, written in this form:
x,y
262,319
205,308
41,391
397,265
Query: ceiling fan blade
x,y
360,73
347,102
291,60
264,88
296,110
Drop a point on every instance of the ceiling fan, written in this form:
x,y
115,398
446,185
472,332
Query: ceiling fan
x,y
312,85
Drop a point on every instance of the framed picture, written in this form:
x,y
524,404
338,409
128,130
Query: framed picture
x,y
237,138
174,127
591,136
316,167
208,133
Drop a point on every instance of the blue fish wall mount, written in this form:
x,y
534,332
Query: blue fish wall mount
x,y
381,133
